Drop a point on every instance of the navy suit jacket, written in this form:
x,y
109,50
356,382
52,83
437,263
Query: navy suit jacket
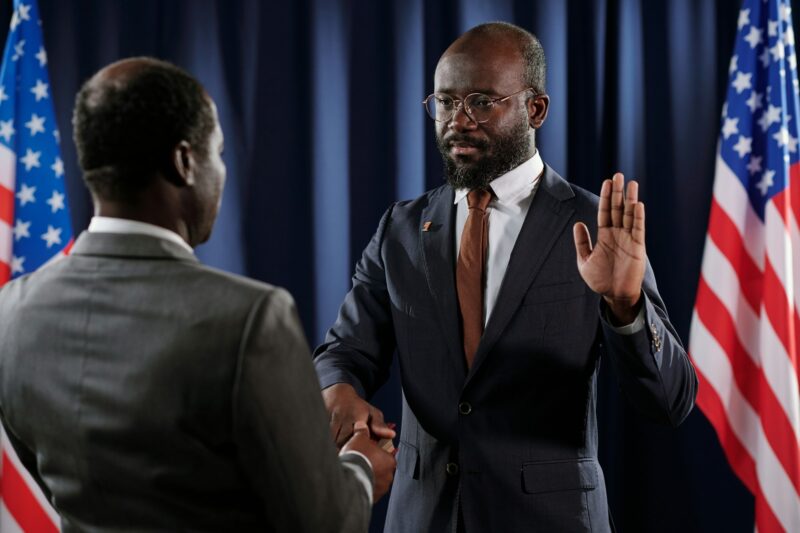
x,y
514,438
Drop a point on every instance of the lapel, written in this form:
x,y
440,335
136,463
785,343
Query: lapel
x,y
438,253
549,213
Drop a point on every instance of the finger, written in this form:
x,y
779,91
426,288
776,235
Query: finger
x,y
360,427
617,188
631,198
583,242
638,223
604,209
378,427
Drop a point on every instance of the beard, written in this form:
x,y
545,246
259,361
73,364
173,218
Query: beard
x,y
509,151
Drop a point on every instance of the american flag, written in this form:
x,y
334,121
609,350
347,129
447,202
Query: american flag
x,y
744,336
34,219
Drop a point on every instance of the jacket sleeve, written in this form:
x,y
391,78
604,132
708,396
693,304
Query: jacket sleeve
x,y
281,429
652,366
359,346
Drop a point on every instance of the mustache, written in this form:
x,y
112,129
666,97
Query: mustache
x,y
456,138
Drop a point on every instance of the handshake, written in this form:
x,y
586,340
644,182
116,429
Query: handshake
x,y
357,426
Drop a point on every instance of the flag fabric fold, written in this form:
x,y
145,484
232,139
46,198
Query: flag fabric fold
x,y
34,217
743,339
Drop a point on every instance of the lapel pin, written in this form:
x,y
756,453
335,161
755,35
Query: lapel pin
x,y
426,226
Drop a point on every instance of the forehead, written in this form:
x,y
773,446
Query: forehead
x,y
490,69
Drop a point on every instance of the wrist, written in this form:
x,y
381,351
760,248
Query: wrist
x,y
623,311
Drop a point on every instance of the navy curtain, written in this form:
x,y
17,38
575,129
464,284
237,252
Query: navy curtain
x,y
320,104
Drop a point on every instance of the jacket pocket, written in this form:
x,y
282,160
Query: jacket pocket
x,y
556,476
408,460
554,292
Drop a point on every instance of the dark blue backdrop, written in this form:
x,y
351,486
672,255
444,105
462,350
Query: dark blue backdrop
x,y
320,104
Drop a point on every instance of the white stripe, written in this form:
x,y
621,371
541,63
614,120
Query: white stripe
x,y
731,196
723,280
775,484
6,242
755,333
779,251
8,167
7,522
29,481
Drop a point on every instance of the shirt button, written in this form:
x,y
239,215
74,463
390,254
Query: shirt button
x,y
464,408
451,469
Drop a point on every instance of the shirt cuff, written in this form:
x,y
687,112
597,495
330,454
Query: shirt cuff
x,y
361,474
634,327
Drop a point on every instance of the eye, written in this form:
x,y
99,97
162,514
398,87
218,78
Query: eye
x,y
445,102
482,102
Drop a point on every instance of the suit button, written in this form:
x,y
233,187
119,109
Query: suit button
x,y
464,408
451,469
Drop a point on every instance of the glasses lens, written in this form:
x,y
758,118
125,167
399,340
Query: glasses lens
x,y
439,107
480,106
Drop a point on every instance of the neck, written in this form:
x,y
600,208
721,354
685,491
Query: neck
x,y
156,214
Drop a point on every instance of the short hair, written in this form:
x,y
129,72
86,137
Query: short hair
x,y
126,125
529,46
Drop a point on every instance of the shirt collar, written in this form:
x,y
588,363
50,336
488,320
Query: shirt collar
x,y
124,225
513,183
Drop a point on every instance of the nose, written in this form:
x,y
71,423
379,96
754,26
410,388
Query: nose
x,y
461,121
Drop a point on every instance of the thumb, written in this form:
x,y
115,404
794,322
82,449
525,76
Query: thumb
x,y
583,242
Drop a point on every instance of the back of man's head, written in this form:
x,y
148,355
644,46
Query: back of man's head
x,y
128,119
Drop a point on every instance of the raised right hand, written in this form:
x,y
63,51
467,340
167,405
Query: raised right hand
x,y
383,462
346,408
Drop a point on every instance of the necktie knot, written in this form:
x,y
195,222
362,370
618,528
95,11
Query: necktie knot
x,y
479,199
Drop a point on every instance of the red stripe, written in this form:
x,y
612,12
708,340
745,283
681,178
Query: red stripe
x,y
21,502
751,382
725,235
6,206
68,248
781,313
740,460
5,273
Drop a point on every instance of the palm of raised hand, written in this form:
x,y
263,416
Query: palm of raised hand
x,y
614,267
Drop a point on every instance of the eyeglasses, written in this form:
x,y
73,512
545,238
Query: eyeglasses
x,y
442,107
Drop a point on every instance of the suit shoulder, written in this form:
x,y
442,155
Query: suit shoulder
x,y
411,209
235,284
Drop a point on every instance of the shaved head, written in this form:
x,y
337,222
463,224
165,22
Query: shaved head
x,y
503,35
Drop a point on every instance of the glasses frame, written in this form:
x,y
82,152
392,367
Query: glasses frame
x,y
459,102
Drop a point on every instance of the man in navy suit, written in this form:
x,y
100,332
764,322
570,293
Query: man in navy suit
x,y
499,426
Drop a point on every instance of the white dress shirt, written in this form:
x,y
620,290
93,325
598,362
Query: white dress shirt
x,y
513,194
124,225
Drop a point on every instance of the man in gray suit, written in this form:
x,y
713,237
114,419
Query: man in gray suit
x,y
145,391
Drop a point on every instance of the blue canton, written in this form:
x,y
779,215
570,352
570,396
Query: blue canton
x,y
760,128
28,127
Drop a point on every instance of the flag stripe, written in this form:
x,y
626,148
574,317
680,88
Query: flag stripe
x,y
730,195
729,241
21,502
6,205
750,380
757,337
775,485
743,464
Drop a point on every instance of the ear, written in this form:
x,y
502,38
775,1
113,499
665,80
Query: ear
x,y
538,106
183,164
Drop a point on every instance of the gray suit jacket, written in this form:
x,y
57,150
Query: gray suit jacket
x,y
145,391
513,439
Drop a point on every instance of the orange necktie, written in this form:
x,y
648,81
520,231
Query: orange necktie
x,y
469,270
